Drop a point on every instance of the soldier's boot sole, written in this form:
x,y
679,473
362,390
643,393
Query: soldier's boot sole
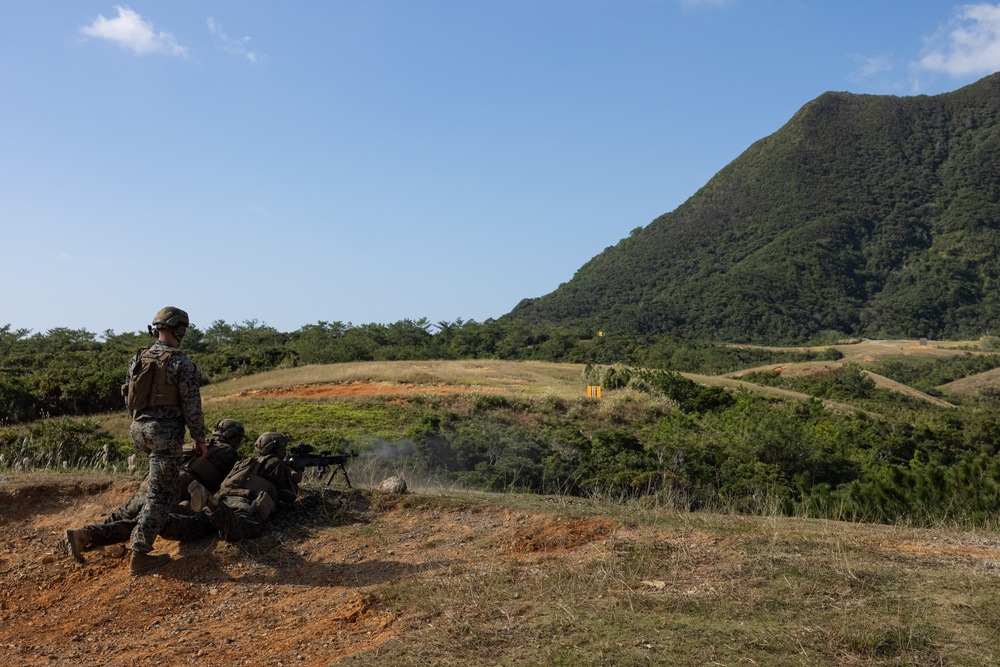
x,y
142,563
77,541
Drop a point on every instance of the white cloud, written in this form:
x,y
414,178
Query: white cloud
x,y
131,31
237,47
969,44
869,66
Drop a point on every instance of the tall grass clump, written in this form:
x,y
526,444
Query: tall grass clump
x,y
63,443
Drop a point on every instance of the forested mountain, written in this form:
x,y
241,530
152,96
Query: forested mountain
x,y
863,215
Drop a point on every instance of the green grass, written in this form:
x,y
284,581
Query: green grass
x,y
303,419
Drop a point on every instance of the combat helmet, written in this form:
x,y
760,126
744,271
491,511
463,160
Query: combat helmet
x,y
229,431
172,318
271,444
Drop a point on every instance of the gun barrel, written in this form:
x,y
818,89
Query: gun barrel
x,y
302,458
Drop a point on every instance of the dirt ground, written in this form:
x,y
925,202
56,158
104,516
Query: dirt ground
x,y
307,593
325,389
303,594
312,589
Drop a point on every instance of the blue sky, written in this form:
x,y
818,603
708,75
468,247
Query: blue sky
x,y
377,160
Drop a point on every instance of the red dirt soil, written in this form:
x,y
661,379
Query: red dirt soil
x,y
310,590
305,593
359,389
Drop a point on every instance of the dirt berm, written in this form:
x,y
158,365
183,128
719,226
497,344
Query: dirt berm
x,y
306,593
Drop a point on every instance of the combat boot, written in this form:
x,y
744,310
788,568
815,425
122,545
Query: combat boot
x,y
78,542
201,498
142,563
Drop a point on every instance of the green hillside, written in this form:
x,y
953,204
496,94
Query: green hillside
x,y
864,215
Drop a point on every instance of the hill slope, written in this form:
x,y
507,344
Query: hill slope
x,y
871,215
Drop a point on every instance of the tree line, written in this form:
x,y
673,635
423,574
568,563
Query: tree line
x,y
74,372
893,458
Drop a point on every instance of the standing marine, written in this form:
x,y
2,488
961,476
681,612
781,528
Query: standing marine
x,y
162,392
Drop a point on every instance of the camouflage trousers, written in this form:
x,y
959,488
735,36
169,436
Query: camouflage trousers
x,y
235,519
118,525
163,440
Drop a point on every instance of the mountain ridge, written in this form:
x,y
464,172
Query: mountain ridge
x,y
863,215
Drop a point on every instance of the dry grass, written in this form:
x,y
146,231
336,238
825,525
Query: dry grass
x,y
732,381
458,578
648,586
871,350
974,385
525,376
883,382
530,379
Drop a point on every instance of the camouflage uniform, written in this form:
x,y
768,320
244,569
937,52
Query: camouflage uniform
x,y
159,432
238,514
118,526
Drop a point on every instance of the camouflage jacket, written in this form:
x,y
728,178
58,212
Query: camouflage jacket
x,y
280,474
182,372
269,473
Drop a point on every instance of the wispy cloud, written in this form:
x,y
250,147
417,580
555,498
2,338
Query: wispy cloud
x,y
237,47
869,66
130,31
969,44
707,3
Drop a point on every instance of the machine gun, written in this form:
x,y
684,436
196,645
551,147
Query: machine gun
x,y
303,456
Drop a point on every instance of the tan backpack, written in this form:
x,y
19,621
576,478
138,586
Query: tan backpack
x,y
209,470
245,480
146,385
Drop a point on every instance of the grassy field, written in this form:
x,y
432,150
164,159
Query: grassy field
x,y
693,589
529,377
448,576
369,388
